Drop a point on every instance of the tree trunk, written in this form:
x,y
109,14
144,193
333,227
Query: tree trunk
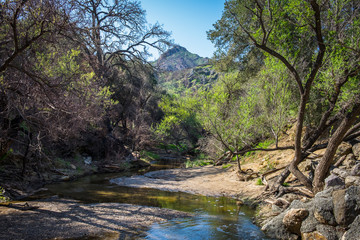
x,y
322,169
298,150
238,162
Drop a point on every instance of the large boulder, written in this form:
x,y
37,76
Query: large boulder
x,y
334,181
324,207
346,205
293,219
353,233
310,223
276,229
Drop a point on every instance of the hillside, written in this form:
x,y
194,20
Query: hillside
x,y
179,58
179,69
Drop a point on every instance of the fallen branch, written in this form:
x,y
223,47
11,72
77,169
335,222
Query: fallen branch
x,y
264,149
280,202
301,190
272,171
339,162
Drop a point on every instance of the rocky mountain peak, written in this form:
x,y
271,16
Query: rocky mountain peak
x,y
179,58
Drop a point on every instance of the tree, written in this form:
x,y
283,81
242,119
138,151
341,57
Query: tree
x,y
25,23
115,37
49,94
303,35
115,32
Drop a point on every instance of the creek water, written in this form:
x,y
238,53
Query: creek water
x,y
214,217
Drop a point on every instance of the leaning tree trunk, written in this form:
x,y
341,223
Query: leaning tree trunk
x,y
298,148
324,165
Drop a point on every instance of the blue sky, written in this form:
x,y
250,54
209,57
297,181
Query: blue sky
x,y
188,20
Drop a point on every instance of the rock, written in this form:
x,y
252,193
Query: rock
x,y
353,233
305,165
275,209
333,181
343,149
329,232
349,161
310,223
324,207
88,160
65,178
327,193
290,197
276,229
293,219
346,205
312,236
323,232
356,150
340,172
355,171
352,181
340,231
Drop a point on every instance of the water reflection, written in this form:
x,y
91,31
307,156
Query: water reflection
x,y
215,217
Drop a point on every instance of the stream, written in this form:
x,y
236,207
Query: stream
x,y
214,217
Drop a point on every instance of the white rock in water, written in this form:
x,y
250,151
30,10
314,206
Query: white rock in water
x,y
87,160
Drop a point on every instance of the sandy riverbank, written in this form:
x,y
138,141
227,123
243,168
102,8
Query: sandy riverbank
x,y
64,219
208,181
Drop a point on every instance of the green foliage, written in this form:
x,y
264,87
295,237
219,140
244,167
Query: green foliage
x,y
180,81
180,124
259,182
285,184
265,144
226,166
3,198
150,156
197,163
200,160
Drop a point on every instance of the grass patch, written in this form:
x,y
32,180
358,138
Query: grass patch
x,y
285,184
197,163
150,156
259,182
226,165
265,144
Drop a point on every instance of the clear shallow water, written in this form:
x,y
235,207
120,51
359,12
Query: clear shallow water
x,y
214,217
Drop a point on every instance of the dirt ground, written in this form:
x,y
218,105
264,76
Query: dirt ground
x,y
69,219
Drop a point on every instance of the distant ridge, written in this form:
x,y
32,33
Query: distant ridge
x,y
179,58
179,70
